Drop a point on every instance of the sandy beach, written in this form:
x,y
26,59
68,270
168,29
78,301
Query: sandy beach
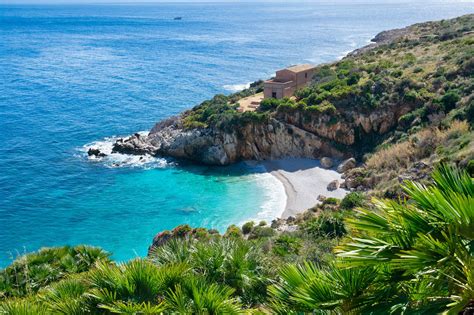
x,y
304,180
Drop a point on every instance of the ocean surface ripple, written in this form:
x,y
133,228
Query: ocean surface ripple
x,y
75,76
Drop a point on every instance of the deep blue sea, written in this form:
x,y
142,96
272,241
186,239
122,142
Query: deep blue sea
x,y
71,76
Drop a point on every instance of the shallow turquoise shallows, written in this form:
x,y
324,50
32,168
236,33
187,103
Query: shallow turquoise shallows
x,y
74,75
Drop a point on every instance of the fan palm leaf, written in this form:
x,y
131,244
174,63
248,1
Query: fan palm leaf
x,y
429,236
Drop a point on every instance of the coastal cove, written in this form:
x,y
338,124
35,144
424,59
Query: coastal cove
x,y
72,76
304,181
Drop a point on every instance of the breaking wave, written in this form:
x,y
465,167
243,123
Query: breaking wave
x,y
121,160
236,87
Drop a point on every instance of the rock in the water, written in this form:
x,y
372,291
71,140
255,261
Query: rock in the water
x,y
326,162
95,152
135,144
321,198
346,165
333,185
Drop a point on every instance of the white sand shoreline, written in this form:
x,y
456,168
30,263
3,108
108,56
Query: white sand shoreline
x,y
304,180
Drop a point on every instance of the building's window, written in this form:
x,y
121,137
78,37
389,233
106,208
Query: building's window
x,y
306,75
274,94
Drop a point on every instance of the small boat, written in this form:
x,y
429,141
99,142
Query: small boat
x,y
178,18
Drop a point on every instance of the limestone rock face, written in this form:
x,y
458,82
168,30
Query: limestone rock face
x,y
217,147
135,144
346,165
344,127
284,135
326,162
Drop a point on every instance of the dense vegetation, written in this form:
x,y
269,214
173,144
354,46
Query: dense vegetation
x,y
426,72
350,256
411,251
430,66
221,111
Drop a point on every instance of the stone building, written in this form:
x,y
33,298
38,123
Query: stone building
x,y
288,80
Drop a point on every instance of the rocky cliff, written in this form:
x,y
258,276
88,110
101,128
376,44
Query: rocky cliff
x,y
289,135
256,141
406,80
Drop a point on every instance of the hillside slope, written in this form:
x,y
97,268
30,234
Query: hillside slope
x,y
404,105
409,79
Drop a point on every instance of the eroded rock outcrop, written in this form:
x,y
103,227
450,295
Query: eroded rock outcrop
x,y
342,128
214,146
282,136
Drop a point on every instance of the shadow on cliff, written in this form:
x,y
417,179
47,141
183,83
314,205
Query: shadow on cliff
x,y
249,167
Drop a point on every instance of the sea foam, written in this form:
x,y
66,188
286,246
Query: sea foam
x,y
274,198
236,87
122,160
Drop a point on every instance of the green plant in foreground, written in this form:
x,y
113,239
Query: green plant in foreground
x,y
29,273
430,237
412,256
352,200
309,288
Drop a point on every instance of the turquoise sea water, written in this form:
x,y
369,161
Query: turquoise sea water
x,y
74,75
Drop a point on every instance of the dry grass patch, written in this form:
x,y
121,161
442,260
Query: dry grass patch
x,y
419,146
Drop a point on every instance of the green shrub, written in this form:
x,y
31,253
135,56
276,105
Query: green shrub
x,y
411,96
449,100
331,201
201,233
327,224
233,231
286,244
181,230
352,200
303,93
261,232
470,111
406,120
417,70
470,168
327,107
247,227
269,104
353,78
396,73
30,272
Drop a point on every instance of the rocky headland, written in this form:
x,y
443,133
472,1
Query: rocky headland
x,y
282,135
386,93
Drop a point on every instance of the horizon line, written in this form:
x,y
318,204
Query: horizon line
x,y
128,2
